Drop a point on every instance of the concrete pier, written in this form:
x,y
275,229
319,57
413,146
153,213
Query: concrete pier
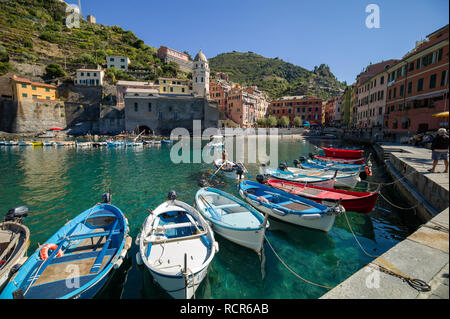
x,y
424,254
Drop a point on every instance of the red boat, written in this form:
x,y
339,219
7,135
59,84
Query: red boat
x,y
350,161
361,202
342,153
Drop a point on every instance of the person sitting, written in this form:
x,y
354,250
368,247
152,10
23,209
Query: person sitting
x,y
439,150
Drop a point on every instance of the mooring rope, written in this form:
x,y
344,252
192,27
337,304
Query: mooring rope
x,y
357,241
292,271
396,206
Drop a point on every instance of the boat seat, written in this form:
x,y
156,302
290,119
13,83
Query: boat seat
x,y
226,206
175,225
92,235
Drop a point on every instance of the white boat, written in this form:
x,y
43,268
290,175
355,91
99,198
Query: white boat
x,y
48,143
328,181
232,218
229,168
345,179
14,241
288,207
83,144
176,245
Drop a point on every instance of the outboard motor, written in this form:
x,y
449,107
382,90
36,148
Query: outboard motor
x,y
262,169
260,178
282,166
172,195
106,198
16,214
363,175
311,155
302,159
296,162
240,172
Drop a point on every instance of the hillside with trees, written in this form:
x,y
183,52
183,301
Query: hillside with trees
x,y
277,77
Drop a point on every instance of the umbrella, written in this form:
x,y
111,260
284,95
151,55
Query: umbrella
x,y
56,129
442,114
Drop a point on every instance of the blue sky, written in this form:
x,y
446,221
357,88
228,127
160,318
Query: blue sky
x,y
305,33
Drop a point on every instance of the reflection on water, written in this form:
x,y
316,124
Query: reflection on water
x,y
57,184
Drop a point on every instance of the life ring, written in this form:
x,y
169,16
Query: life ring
x,y
44,251
368,170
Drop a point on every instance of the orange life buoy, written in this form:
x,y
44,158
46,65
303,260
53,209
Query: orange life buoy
x,y
368,170
44,251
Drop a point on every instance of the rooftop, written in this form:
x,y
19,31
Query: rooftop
x,y
23,80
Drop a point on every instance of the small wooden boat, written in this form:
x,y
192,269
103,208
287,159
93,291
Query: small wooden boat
x,y
77,260
345,179
327,159
232,218
313,164
25,143
38,143
176,245
48,143
229,168
342,153
83,144
12,143
361,202
166,141
14,241
288,207
328,181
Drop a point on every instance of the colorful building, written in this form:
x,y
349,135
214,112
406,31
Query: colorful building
x,y
418,86
89,77
24,89
170,55
308,108
174,86
122,86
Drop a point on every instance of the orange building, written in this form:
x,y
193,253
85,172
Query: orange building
x,y
308,108
418,86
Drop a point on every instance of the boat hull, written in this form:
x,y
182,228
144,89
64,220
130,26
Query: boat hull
x,y
326,159
175,286
322,222
342,153
359,202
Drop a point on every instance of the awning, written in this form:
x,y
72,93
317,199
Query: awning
x,y
441,114
427,95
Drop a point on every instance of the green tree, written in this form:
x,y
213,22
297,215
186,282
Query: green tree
x,y
297,121
4,56
272,121
54,70
283,121
262,122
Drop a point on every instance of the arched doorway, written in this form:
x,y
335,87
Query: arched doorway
x,y
147,130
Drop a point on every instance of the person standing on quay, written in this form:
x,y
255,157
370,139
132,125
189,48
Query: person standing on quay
x,y
439,150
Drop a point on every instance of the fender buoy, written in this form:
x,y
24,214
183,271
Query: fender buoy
x,y
368,170
44,251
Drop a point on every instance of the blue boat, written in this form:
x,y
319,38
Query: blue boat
x,y
232,218
289,207
76,261
166,141
115,143
315,164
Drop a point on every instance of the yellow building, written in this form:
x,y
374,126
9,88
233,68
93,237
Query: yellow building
x,y
24,89
174,86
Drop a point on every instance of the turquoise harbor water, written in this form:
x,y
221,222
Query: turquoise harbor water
x,y
57,184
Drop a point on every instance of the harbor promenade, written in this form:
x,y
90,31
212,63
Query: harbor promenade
x,y
423,255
